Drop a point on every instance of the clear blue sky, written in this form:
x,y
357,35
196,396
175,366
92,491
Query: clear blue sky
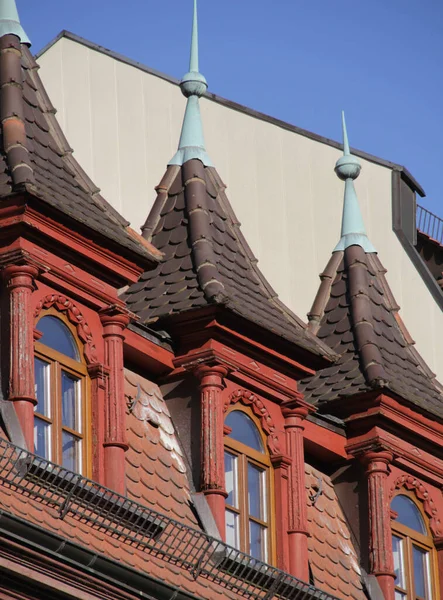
x,y
300,61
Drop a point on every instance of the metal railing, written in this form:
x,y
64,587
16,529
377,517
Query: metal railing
x,y
201,555
429,224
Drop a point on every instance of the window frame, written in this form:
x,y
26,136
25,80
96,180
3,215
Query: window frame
x,y
247,455
59,362
411,538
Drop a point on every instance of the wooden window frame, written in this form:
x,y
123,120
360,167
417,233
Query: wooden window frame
x,y
426,542
59,362
262,460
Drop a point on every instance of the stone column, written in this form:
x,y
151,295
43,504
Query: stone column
x,y
438,541
297,517
19,280
381,562
212,447
115,444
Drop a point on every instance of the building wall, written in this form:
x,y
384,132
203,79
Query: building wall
x,y
125,123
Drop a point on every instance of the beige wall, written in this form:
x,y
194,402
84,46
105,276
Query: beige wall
x,y
124,125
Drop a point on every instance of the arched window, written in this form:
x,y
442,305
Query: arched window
x,y
414,552
248,484
60,416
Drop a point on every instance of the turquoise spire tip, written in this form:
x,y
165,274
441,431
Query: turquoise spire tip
x,y
193,86
353,232
10,22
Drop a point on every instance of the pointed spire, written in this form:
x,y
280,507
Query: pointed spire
x,y
10,22
193,86
353,232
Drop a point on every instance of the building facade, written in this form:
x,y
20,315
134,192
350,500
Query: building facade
x,y
170,429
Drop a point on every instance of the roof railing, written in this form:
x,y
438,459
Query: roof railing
x,y
429,224
73,495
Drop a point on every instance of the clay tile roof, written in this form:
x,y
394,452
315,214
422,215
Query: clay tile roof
x,y
35,156
155,468
207,260
332,556
356,314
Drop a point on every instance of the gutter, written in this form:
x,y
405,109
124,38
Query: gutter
x,y
110,571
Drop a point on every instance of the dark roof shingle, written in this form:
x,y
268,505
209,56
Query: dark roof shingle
x,y
207,260
35,156
356,314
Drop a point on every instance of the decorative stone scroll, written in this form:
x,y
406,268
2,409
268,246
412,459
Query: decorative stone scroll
x,y
259,409
412,484
62,304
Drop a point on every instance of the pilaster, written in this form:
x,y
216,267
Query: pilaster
x,y
381,562
19,282
297,513
212,452
114,322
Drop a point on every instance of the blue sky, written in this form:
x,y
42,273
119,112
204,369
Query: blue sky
x,y
300,61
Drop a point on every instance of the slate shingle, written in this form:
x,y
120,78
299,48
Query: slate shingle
x,y
207,260
356,314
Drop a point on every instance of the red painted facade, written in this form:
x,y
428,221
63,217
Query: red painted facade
x,y
158,391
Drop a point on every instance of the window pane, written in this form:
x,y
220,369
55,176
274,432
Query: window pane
x,y
244,430
70,452
42,438
42,383
231,479
57,336
256,492
421,572
70,401
258,541
408,513
232,529
399,565
399,595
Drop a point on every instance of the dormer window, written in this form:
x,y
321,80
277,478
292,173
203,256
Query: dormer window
x,y
247,478
60,416
414,551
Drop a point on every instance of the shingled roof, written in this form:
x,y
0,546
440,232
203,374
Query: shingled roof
x,y
36,158
207,260
356,313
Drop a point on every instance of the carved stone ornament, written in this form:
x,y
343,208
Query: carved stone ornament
x,y
259,409
62,304
412,484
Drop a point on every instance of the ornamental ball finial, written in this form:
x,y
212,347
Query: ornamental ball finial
x,y
193,84
348,167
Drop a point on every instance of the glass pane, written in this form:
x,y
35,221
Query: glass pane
x,y
57,336
70,401
258,539
399,595
399,565
231,479
244,430
257,492
421,572
70,451
232,532
42,383
42,438
408,513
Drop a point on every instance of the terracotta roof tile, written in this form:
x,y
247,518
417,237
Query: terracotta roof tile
x,y
207,260
364,328
333,559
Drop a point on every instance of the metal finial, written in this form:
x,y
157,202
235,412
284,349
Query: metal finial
x,y
193,86
353,232
10,22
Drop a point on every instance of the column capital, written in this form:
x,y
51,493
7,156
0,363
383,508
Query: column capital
x,y
377,461
115,316
20,276
211,375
